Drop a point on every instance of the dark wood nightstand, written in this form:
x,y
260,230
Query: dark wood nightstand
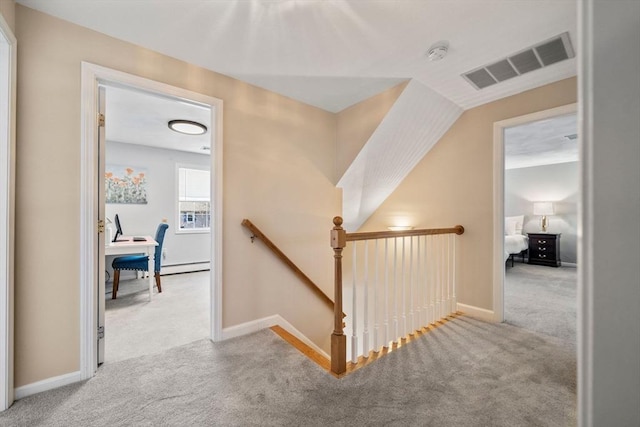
x,y
544,249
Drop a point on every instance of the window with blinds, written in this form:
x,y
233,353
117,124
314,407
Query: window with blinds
x,y
194,202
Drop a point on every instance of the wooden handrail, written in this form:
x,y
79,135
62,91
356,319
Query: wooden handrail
x,y
352,237
269,244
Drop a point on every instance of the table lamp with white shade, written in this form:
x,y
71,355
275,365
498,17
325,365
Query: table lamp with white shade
x,y
543,209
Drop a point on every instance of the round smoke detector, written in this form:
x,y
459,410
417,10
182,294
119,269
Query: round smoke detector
x,y
438,51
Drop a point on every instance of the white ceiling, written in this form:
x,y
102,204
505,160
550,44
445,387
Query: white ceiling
x,y
334,53
136,117
543,142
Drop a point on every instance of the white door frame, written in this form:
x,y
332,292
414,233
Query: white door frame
x,y
92,75
8,47
498,196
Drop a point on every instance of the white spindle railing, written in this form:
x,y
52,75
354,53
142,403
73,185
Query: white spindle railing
x,y
398,291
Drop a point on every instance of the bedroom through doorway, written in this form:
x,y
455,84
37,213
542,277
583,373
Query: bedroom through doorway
x,y
540,226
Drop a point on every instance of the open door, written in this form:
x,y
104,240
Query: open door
x,y
7,195
101,221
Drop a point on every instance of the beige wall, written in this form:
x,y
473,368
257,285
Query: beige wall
x,y
356,124
278,170
453,184
8,12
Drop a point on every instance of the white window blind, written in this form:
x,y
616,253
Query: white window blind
x,y
194,185
194,204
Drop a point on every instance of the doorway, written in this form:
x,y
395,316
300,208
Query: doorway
x,y
7,166
541,202
155,176
92,243
499,223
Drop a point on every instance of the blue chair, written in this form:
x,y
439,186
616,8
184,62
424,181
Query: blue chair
x,y
139,262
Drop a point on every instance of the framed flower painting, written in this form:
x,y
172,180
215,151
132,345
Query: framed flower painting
x,y
125,184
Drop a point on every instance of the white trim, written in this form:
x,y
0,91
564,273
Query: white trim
x,y
498,196
267,322
48,384
8,48
569,264
477,312
586,285
185,268
216,239
92,75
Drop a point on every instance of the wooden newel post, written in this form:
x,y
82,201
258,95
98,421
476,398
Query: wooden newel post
x,y
338,339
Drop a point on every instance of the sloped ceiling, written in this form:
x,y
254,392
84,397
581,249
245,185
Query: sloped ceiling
x,y
417,120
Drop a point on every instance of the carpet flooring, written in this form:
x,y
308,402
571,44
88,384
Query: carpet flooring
x,y
464,373
542,299
136,327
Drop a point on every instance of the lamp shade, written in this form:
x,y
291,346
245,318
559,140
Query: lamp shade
x,y
542,208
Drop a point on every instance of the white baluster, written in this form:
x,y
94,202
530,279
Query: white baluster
x,y
404,297
419,287
376,308
454,298
443,276
449,275
447,295
395,332
427,284
412,320
365,331
386,294
354,319
445,269
438,308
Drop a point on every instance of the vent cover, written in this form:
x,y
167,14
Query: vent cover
x,y
541,55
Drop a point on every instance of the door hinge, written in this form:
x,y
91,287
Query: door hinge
x,y
100,226
101,120
100,332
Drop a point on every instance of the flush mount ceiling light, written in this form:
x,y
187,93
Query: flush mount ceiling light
x,y
438,51
187,127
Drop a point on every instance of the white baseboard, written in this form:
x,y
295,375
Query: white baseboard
x,y
48,384
569,264
267,322
250,327
477,312
185,268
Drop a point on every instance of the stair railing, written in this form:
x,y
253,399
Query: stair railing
x,y
257,234
398,281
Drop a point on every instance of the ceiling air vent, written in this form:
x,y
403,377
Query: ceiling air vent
x,y
541,55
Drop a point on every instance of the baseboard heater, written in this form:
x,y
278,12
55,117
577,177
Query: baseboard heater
x,y
185,268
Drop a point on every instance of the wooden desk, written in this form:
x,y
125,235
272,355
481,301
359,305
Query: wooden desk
x,y
129,247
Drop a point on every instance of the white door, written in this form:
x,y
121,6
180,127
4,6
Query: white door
x,y
101,221
7,170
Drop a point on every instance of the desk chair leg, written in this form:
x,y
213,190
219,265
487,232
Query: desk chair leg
x,y
158,282
116,282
